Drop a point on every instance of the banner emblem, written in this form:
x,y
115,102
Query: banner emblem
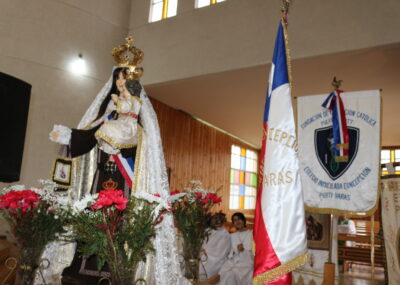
x,y
324,149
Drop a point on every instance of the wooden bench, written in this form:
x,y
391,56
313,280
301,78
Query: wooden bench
x,y
362,251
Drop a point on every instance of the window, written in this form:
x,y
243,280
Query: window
x,y
243,180
162,9
203,3
390,154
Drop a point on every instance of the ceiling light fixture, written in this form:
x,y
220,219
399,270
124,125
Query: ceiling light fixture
x,y
78,66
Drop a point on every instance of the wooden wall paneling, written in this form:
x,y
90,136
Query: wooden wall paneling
x,y
195,151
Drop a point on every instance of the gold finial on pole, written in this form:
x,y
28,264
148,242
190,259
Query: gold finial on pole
x,y
285,6
285,10
336,83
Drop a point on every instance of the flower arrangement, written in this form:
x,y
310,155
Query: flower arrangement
x,y
192,211
116,229
35,217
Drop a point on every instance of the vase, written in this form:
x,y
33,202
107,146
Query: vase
x,y
123,274
191,255
27,265
192,270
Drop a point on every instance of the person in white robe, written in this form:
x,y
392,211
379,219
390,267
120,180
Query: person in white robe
x,y
346,226
238,268
216,248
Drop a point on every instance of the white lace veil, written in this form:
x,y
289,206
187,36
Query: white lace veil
x,y
166,264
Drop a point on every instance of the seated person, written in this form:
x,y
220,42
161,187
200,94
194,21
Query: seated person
x,y
215,248
238,268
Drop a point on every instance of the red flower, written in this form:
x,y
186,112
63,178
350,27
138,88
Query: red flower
x,y
214,198
110,198
25,200
157,195
204,201
198,195
175,192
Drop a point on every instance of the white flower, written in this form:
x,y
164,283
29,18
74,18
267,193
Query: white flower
x,y
82,204
175,197
13,188
162,202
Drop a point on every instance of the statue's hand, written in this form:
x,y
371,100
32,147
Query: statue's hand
x,y
114,97
60,134
54,135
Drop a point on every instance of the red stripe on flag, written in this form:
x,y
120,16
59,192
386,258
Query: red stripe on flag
x,y
123,171
265,258
344,123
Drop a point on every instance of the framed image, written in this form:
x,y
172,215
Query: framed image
x,y
318,230
62,172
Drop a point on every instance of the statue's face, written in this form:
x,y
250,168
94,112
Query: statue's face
x,y
121,82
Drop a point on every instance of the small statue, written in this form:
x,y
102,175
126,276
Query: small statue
x,y
114,135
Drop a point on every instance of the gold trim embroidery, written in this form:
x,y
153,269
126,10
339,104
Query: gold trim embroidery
x,y
350,214
137,99
137,160
280,270
118,105
111,141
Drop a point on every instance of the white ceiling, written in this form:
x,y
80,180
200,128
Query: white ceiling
x,y
234,100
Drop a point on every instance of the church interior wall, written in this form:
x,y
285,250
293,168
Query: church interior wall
x,y
239,34
39,38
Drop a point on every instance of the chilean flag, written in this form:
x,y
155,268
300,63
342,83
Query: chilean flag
x,y
279,228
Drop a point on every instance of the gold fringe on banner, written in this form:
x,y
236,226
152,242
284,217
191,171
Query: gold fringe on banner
x,y
280,270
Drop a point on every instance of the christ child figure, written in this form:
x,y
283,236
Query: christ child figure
x,y
122,133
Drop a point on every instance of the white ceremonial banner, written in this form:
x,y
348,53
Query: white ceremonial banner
x,y
391,226
340,187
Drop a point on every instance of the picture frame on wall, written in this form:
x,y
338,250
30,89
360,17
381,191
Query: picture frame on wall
x,y
318,228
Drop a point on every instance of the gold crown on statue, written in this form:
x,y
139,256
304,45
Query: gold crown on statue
x,y
129,56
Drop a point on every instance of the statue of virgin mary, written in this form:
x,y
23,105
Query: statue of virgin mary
x,y
136,167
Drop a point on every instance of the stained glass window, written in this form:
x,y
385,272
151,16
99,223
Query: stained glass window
x,y
390,154
162,9
243,178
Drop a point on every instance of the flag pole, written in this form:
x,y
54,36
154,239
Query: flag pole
x,y
284,19
329,267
